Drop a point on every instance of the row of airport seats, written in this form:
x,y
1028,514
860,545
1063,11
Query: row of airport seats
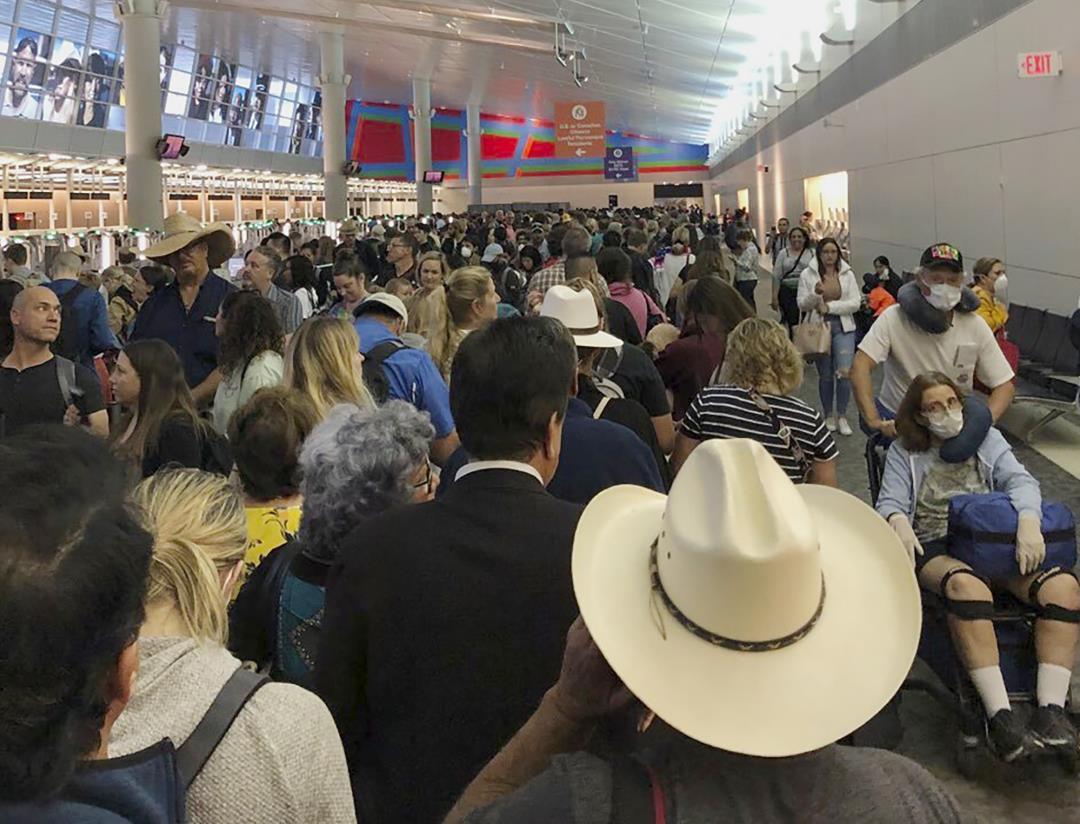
x,y
1049,371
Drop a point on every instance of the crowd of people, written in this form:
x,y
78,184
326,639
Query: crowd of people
x,y
497,517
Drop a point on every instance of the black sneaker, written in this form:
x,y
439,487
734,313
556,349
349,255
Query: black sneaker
x,y
1008,737
1052,728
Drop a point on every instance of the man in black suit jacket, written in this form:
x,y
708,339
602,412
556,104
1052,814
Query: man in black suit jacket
x,y
446,621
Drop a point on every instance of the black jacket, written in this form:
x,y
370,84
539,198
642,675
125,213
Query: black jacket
x,y
445,624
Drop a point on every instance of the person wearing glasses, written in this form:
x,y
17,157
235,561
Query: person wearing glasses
x,y
401,254
355,464
917,485
753,398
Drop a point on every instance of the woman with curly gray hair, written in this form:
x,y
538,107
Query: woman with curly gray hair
x,y
355,464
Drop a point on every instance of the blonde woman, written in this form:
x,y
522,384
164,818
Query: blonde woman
x,y
471,302
989,279
675,261
427,306
282,759
324,363
753,400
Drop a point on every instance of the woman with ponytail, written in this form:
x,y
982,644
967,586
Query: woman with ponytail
x,y
282,759
471,302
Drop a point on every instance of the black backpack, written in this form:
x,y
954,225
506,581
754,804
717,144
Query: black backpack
x,y
513,287
374,374
150,785
66,344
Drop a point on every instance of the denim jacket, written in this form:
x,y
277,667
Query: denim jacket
x,y
904,473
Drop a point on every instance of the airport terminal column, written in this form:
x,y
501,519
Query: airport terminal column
x,y
333,82
142,46
472,138
421,92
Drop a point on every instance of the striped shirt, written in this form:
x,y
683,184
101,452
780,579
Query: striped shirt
x,y
728,412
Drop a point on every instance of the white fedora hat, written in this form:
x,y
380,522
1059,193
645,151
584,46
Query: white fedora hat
x,y
749,614
577,311
181,230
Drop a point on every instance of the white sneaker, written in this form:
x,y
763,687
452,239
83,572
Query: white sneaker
x,y
845,427
830,423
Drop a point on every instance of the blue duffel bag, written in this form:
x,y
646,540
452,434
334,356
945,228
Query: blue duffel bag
x,y
982,534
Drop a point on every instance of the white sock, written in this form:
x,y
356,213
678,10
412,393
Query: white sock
x,y
990,685
1053,685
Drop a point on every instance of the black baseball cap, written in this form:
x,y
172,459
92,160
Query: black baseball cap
x,y
942,256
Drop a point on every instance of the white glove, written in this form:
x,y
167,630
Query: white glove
x,y
1030,545
902,527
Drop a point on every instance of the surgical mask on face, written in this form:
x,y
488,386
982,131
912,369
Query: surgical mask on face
x,y
1001,284
946,424
944,296
466,252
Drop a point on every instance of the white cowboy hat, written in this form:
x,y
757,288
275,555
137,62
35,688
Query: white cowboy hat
x,y
749,614
577,311
181,230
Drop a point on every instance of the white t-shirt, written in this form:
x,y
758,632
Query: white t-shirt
x,y
968,348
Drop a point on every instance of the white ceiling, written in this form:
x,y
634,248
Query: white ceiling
x,y
665,68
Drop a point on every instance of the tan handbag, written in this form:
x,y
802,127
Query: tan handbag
x,y
812,338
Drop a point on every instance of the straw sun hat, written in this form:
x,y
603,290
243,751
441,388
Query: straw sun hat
x,y
749,614
182,230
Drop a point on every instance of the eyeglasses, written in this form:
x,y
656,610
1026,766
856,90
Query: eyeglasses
x,y
938,408
428,477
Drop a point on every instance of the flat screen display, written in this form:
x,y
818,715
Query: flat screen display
x,y
433,177
171,146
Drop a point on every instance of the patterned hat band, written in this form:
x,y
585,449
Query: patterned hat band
x,y
659,593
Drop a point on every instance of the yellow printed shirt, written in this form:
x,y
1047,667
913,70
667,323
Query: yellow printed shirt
x,y
991,310
268,528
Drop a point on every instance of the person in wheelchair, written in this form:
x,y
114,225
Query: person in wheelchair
x,y
915,492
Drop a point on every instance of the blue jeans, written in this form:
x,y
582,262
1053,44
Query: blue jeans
x,y
834,368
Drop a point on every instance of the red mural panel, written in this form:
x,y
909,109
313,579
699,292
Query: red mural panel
x,y
381,142
498,147
445,145
539,148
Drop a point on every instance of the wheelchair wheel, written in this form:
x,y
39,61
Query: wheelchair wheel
x,y
1070,762
968,758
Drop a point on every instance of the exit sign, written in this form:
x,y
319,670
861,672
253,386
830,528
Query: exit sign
x,y
1039,64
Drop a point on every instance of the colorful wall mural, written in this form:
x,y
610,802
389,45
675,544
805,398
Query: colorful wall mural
x,y
380,139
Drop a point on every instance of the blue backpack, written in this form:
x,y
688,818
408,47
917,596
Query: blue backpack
x,y
982,534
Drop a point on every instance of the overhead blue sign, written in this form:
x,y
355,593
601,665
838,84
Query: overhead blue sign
x,y
619,163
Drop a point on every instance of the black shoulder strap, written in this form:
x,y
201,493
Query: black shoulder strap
x,y
798,260
382,351
193,754
65,376
71,294
631,793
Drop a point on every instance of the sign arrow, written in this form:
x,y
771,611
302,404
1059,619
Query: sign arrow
x,y
580,152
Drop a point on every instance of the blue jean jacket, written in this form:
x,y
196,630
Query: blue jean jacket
x,y
904,473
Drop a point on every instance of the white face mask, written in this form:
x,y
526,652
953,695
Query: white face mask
x,y
466,252
946,425
944,296
1001,284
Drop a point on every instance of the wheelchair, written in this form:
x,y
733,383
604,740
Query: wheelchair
x,y
1014,625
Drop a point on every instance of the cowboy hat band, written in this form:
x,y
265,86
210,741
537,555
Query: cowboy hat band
x,y
712,637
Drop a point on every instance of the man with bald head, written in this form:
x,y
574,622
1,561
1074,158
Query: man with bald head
x,y
37,386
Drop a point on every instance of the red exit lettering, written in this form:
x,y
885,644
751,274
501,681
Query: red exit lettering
x,y
1038,64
